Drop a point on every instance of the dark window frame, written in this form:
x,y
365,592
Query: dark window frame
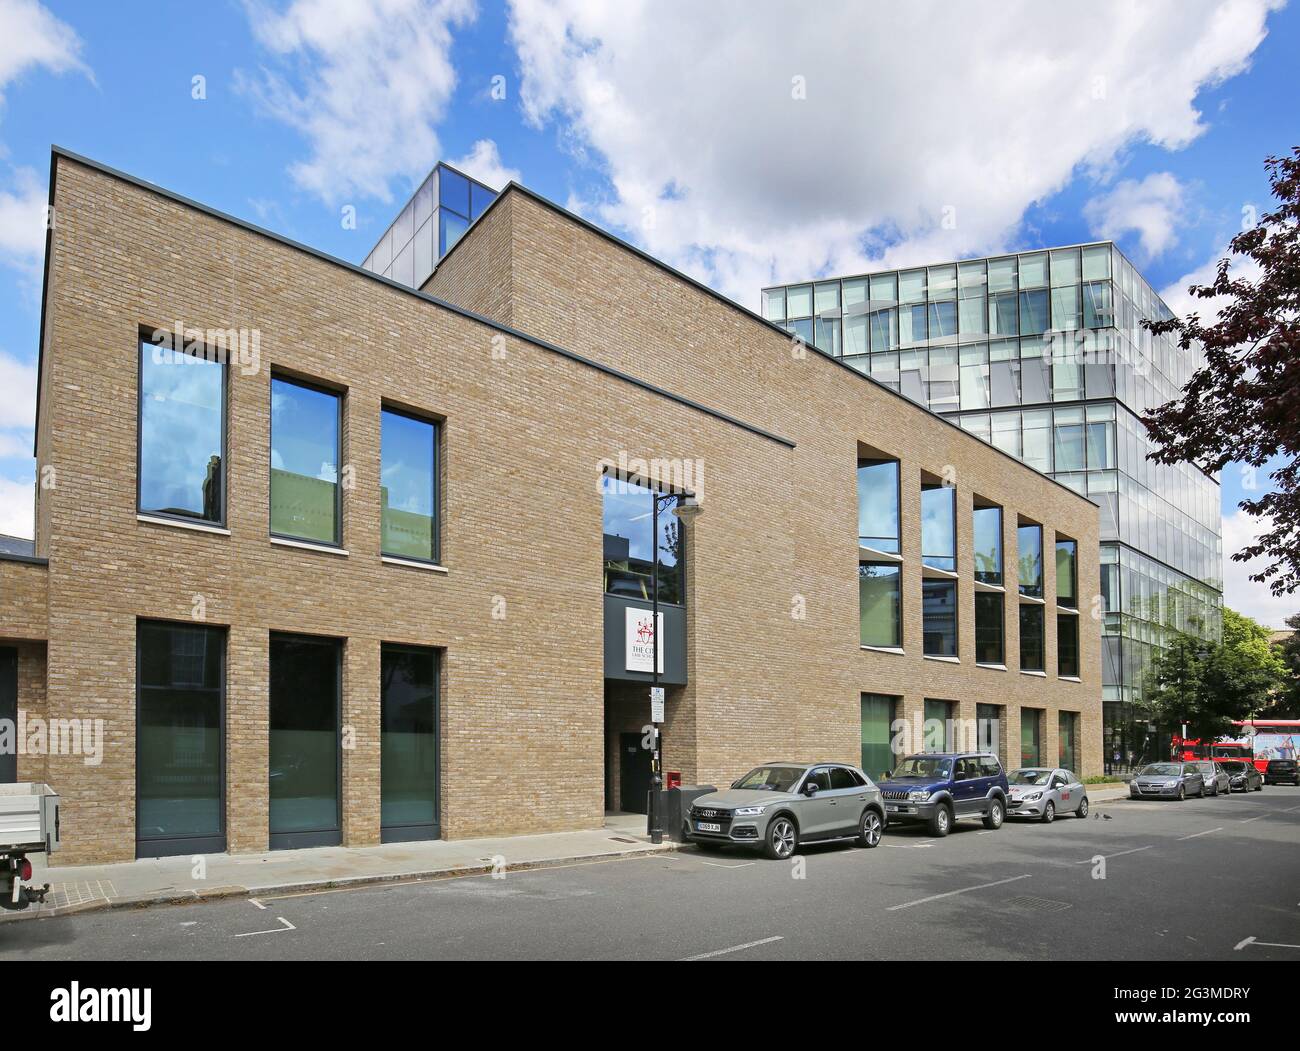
x,y
654,491
874,461
1000,599
315,837
1074,571
436,423
1002,557
144,341
339,395
1073,634
934,584
421,832
162,846
901,620
1031,607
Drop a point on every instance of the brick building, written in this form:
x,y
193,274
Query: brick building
x,y
329,559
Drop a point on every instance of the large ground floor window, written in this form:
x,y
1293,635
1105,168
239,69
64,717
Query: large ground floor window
x,y
988,726
409,758
180,706
1068,741
877,719
1031,737
938,732
304,745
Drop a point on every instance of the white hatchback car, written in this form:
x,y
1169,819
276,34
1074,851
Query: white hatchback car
x,y
1043,792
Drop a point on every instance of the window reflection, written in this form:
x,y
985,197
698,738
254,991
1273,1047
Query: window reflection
x,y
630,547
408,485
304,462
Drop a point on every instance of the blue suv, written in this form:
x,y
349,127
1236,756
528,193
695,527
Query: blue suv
x,y
937,788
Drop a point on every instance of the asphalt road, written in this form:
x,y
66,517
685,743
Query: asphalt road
x,y
1189,881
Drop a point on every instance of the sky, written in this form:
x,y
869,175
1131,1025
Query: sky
x,y
746,142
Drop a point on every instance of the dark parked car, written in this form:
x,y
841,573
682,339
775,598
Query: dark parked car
x,y
1243,777
1282,772
939,788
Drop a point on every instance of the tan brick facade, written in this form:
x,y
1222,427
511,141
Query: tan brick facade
x,y
774,665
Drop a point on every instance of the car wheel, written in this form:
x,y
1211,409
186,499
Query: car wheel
x,y
1259,787
1182,793
941,821
1214,791
782,839
870,829
1049,813
1083,808
997,811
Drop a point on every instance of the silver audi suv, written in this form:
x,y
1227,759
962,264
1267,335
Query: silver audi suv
x,y
777,806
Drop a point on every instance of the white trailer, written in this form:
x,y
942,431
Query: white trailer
x,y
29,824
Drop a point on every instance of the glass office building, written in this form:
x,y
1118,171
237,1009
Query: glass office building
x,y
432,221
1042,354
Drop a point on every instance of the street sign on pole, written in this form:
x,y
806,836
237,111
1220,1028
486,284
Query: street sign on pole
x,y
656,704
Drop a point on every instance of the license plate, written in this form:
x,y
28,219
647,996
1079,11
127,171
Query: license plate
x,y
707,826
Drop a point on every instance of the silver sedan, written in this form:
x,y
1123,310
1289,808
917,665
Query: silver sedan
x,y
1042,792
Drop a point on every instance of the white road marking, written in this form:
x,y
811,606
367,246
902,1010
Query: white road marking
x,y
720,865
1272,945
1290,810
734,948
950,893
275,930
1255,818
1107,857
1195,835
258,904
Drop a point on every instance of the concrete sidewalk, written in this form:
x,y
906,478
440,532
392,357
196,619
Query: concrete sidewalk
x,y
166,881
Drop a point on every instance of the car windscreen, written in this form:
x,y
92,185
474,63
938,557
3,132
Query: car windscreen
x,y
1162,770
923,766
1031,777
772,778
1233,768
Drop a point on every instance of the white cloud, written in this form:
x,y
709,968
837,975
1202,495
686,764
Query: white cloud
x,y
927,128
1241,593
22,222
483,162
32,38
17,507
1152,208
364,81
17,393
1181,303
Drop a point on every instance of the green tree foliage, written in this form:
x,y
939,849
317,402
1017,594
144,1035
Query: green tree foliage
x,y
1208,685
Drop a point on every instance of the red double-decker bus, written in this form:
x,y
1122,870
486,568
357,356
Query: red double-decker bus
x,y
1260,740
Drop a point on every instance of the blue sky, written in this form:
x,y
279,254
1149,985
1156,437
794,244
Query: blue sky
x,y
746,150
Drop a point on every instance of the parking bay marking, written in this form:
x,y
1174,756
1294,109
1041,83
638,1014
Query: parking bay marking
x,y
734,948
1107,857
275,930
1273,945
1194,835
951,893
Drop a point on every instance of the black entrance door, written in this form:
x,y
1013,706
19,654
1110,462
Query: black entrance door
x,y
8,711
633,773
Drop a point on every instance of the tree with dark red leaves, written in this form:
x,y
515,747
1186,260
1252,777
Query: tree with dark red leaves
x,y
1243,405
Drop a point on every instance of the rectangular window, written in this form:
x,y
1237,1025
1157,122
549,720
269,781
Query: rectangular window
x,y
799,301
1031,637
1097,311
1067,738
884,329
451,227
1033,312
939,617
937,733
182,437
1031,737
1003,318
180,768
943,320
988,628
877,722
878,505
988,545
988,727
1069,439
631,548
1037,437
774,304
408,765
408,486
305,457
1029,543
303,759
1067,645
1067,573
939,525
880,604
